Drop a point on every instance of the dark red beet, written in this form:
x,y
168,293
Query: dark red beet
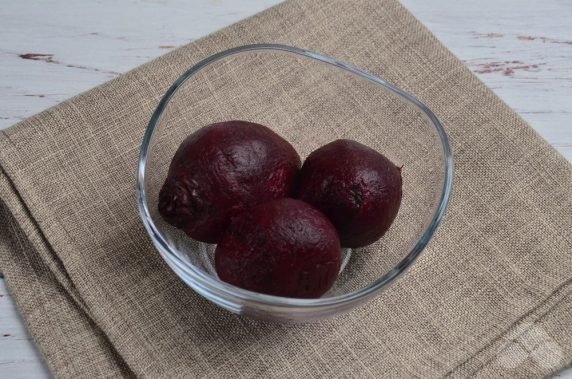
x,y
283,247
355,186
222,169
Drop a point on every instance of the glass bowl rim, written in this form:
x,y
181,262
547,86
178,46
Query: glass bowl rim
x,y
205,281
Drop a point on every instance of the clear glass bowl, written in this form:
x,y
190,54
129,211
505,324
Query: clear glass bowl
x,y
310,100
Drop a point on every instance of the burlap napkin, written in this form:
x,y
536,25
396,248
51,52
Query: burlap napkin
x,y
491,295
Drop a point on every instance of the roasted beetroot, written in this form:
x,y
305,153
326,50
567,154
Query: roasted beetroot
x,y
356,187
222,169
283,247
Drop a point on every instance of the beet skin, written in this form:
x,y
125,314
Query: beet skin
x,y
356,187
222,169
283,247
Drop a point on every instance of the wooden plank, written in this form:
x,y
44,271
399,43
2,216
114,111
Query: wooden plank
x,y
19,357
520,49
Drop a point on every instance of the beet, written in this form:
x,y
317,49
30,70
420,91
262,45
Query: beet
x,y
356,187
222,169
283,247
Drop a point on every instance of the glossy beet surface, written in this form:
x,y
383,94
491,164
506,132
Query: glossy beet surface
x,y
284,247
222,169
355,186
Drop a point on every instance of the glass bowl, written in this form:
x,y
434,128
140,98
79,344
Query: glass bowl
x,y
310,100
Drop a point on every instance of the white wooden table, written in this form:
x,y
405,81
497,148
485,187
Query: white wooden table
x,y
53,49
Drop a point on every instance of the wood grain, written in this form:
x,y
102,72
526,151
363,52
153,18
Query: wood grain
x,y
520,49
19,357
51,50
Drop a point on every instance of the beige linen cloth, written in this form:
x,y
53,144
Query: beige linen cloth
x,y
490,297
